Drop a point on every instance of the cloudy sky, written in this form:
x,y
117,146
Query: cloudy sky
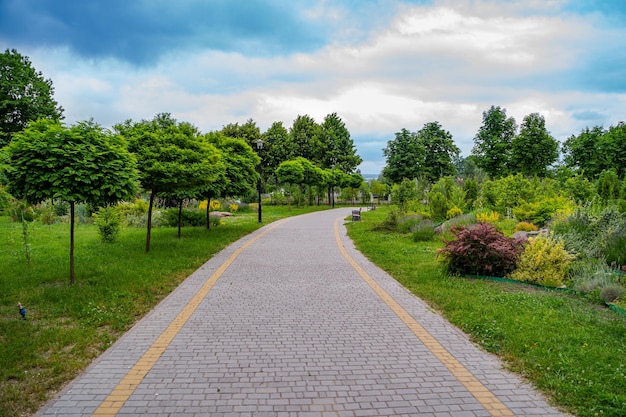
x,y
381,65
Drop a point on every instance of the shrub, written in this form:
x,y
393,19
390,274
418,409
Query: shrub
x,y
233,208
612,292
462,221
544,261
439,206
215,205
614,248
481,250
188,217
390,224
424,231
488,217
525,227
454,212
408,223
107,219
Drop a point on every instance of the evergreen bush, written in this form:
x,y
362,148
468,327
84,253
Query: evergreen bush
x,y
108,222
544,261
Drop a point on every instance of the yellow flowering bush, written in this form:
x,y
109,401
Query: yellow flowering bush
x,y
453,212
488,217
525,227
233,208
254,206
544,261
215,205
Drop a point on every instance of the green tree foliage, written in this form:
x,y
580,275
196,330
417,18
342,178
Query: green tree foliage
x,y
403,193
279,147
492,143
25,95
239,160
290,173
533,150
248,131
336,146
608,186
439,151
404,156
582,153
173,160
80,164
613,148
305,137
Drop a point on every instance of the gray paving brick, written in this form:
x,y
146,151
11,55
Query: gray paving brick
x,y
291,329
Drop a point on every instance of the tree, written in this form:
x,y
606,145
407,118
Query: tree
x,y
290,173
80,164
239,162
439,151
172,159
533,150
248,131
582,153
25,95
304,135
613,148
336,146
405,155
279,147
492,143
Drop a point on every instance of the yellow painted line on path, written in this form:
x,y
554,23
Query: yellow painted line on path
x,y
122,392
483,395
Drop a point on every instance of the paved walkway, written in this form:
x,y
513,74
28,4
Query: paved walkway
x,y
293,321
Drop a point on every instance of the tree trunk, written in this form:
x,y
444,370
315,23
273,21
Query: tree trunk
x,y
149,221
72,204
180,216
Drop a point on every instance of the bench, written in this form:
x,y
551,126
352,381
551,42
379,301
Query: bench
x,y
356,215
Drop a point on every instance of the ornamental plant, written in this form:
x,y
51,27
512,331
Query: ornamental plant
x,y
481,249
488,217
544,261
525,227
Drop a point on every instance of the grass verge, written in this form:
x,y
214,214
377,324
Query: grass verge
x,y
116,284
569,348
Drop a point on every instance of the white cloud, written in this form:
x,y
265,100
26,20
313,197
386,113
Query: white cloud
x,y
446,62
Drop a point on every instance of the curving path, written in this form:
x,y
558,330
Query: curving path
x,y
293,321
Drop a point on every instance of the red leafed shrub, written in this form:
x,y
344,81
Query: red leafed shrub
x,y
481,249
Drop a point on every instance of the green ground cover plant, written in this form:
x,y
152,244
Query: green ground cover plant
x,y
569,347
67,326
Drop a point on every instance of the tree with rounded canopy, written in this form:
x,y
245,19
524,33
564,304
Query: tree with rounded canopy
x,y
80,164
404,156
492,143
439,151
172,158
25,95
239,163
583,153
533,150
290,173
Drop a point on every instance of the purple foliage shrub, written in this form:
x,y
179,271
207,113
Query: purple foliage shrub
x,y
481,249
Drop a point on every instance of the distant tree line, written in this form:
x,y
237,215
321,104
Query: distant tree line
x,y
501,149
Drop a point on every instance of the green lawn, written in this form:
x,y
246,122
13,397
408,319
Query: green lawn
x,y
570,348
116,284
